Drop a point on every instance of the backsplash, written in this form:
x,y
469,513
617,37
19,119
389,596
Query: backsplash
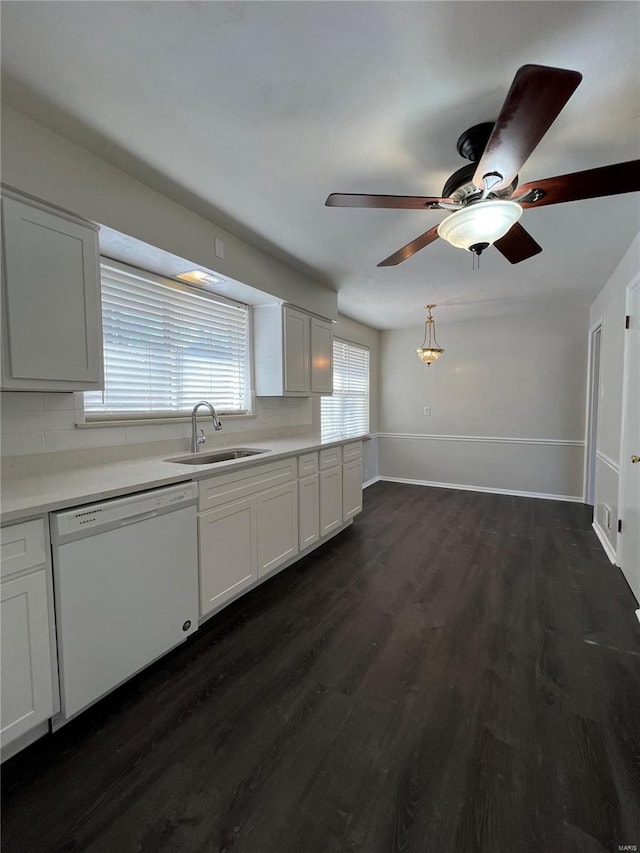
x,y
35,422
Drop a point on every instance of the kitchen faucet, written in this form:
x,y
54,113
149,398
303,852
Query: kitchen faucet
x,y
197,440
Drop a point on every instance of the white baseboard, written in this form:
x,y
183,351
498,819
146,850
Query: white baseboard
x,y
370,482
606,545
491,491
638,615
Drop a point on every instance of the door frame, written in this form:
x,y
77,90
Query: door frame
x,y
591,414
626,441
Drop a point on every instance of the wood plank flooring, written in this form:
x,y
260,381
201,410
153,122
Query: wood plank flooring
x,y
456,673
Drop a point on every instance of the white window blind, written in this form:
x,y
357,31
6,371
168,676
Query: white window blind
x,y
166,346
346,412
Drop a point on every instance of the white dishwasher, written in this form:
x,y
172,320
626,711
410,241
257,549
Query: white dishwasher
x,y
126,588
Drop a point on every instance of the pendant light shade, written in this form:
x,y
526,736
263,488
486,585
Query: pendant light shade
x,y
479,224
430,350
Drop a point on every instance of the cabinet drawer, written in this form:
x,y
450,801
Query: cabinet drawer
x,y
22,546
308,464
234,485
330,457
350,451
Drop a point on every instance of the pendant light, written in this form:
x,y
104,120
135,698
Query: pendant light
x,y
430,350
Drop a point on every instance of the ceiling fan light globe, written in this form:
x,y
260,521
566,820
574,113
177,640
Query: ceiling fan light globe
x,y
483,222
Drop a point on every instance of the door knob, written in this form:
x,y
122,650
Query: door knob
x,y
635,458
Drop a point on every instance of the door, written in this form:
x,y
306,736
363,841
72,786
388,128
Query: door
x,y
629,538
228,553
52,293
321,357
277,526
27,683
309,511
351,489
330,499
296,351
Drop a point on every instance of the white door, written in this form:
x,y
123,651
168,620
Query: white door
x,y
296,351
351,489
629,538
227,551
309,511
277,526
330,499
27,697
52,293
321,357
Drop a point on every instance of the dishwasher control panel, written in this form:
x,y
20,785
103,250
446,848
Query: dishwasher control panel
x,y
121,511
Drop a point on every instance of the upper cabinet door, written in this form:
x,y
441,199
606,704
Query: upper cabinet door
x,y
296,351
52,325
321,356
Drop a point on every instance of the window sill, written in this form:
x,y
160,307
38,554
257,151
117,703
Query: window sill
x,y
133,422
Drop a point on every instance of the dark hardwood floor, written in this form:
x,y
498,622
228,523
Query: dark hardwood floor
x,y
458,672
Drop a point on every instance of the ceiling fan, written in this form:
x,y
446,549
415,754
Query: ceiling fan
x,y
484,196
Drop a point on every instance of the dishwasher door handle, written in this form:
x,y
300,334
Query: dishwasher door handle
x,y
135,518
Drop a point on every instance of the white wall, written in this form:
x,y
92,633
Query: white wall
x,y
44,164
609,308
507,403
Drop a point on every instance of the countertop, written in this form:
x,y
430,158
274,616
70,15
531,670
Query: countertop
x,y
29,496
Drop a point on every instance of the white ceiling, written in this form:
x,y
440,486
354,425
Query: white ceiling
x,y
251,113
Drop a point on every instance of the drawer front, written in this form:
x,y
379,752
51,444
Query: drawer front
x,y
22,546
330,457
350,451
215,491
307,464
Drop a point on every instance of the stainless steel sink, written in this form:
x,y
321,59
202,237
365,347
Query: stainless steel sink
x,y
215,456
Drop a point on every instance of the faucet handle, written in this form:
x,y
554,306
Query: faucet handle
x,y
202,437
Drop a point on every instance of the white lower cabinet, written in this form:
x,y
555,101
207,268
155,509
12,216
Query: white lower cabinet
x,y
228,560
28,680
330,499
351,489
277,511
308,511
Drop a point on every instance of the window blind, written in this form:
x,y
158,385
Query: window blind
x,y
166,346
346,412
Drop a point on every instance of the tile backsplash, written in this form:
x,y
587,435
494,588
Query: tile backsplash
x,y
35,422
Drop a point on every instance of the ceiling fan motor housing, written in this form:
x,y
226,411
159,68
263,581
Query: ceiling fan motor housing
x,y
471,145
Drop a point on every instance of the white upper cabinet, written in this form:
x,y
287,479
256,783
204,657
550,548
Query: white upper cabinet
x,y
293,352
321,356
52,321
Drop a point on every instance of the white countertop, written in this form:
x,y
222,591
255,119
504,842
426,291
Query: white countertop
x,y
25,497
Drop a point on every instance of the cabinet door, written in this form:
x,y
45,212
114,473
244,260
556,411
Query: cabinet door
x,y
277,526
321,357
27,684
296,351
308,511
53,321
227,552
330,499
351,489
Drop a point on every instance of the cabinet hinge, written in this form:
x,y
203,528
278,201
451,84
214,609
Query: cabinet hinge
x,y
626,321
619,525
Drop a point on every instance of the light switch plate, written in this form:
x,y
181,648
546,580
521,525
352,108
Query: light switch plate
x,y
218,247
427,410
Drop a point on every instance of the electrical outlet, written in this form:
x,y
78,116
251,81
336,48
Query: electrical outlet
x,y
607,516
427,410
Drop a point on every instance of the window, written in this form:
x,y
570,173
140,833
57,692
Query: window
x,y
346,412
166,346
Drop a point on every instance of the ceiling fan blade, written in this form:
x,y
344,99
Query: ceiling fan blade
x,y
394,202
411,248
536,97
593,183
517,245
